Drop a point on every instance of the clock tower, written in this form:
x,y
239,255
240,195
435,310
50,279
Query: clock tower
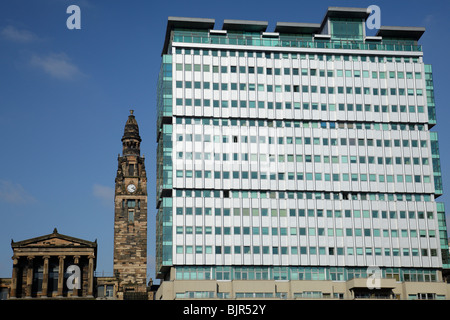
x,y
130,214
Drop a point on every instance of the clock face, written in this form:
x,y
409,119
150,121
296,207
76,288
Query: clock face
x,y
131,188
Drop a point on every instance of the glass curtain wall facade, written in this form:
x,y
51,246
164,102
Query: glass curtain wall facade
x,y
296,162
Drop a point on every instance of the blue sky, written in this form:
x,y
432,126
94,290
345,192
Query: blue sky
x,y
65,96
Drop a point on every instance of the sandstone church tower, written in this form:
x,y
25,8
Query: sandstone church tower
x,y
130,215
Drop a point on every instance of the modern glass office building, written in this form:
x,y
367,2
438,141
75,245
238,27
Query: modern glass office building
x,y
298,162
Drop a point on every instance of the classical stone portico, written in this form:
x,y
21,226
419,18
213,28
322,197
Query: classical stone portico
x,y
40,267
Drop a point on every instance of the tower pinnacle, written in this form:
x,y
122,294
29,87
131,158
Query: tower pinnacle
x,y
131,139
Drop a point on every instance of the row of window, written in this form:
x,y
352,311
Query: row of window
x,y
197,102
426,296
189,137
330,251
382,214
304,123
299,71
293,231
301,56
304,294
253,295
308,176
301,273
299,158
287,88
261,194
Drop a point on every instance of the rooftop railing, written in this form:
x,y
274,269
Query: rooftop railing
x,y
286,43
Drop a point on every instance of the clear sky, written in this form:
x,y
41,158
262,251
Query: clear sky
x,y
65,96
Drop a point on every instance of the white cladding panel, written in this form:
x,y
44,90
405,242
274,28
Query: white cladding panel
x,y
301,161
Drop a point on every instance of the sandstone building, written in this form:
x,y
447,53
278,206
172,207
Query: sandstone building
x,y
130,217
40,266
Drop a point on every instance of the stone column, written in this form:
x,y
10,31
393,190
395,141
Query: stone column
x,y
61,276
90,291
14,278
29,276
45,277
76,260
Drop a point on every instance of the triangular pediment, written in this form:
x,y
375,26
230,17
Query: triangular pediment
x,y
54,239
